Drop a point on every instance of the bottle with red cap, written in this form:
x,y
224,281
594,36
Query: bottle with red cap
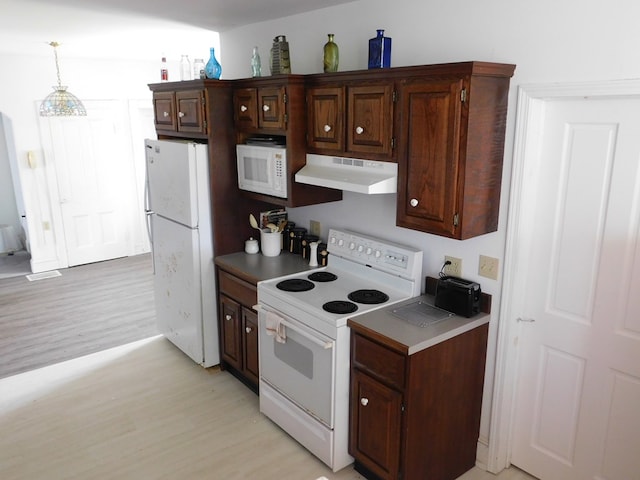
x,y
164,71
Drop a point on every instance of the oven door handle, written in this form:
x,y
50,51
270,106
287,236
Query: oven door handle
x,y
326,345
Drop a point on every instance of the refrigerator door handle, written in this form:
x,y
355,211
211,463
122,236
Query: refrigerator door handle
x,y
148,213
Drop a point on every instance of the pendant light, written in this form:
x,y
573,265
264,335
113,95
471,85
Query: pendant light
x,y
61,103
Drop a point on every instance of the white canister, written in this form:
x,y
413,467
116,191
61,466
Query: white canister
x,y
270,243
313,254
251,245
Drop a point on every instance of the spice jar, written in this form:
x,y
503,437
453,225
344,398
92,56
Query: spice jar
x,y
306,240
296,234
323,255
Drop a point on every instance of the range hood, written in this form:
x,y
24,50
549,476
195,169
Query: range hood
x,y
350,174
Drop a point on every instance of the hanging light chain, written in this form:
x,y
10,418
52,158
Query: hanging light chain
x,y
55,46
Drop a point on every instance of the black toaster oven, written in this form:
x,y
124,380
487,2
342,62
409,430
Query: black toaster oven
x,y
458,295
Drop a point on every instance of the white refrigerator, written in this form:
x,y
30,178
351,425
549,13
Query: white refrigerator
x,y
179,219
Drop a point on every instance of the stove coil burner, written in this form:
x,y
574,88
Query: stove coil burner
x,y
322,277
340,306
369,297
295,285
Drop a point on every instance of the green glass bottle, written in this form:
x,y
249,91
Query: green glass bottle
x,y
330,55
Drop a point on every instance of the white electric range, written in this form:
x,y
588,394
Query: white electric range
x,y
304,339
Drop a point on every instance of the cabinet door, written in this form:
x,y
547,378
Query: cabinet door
x,y
375,425
370,119
272,108
230,332
325,111
191,111
250,344
245,103
429,169
164,110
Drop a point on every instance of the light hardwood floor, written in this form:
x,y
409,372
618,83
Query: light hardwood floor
x,y
86,309
145,411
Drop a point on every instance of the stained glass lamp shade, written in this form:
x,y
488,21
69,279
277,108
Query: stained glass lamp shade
x,y
61,103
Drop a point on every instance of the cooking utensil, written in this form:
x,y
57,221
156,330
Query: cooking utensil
x,y
272,227
253,222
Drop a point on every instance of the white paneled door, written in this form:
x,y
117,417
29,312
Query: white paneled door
x,y
95,183
577,400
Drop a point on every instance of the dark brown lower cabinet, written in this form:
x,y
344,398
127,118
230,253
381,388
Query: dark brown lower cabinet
x,y
238,325
416,417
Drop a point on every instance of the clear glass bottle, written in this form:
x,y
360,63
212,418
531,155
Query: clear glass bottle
x,y
198,68
185,68
256,67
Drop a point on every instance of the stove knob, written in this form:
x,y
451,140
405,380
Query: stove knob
x,y
341,242
360,248
369,250
352,245
378,254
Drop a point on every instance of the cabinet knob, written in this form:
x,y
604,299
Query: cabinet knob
x,y
265,108
327,128
413,202
165,114
247,329
359,130
364,401
228,317
181,114
243,108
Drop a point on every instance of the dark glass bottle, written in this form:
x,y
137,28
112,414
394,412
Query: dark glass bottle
x,y
330,55
380,51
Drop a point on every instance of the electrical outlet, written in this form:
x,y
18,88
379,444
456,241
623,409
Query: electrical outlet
x,y
488,267
314,228
455,269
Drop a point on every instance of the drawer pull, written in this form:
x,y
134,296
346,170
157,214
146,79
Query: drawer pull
x,y
165,114
359,130
228,317
248,329
364,401
413,202
327,128
243,108
181,114
265,108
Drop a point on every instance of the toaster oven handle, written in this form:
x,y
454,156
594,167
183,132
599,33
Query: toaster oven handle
x,y
326,345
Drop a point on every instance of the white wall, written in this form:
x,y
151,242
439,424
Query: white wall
x,y
9,214
114,73
549,41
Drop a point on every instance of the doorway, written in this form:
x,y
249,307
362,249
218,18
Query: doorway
x,y
568,376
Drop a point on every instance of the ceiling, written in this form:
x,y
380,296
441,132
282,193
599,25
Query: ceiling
x,y
98,27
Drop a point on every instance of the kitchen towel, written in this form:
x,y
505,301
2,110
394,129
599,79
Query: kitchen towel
x,y
275,327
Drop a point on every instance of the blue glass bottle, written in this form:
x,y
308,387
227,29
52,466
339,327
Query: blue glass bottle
x,y
380,51
213,69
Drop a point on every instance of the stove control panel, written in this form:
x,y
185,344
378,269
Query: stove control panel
x,y
382,254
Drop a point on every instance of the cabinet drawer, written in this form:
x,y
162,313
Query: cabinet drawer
x,y
239,290
380,362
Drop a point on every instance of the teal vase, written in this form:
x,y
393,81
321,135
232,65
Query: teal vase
x,y
331,55
213,69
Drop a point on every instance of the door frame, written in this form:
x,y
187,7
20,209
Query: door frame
x,y
531,103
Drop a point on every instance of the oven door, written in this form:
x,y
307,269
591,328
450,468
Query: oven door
x,y
300,366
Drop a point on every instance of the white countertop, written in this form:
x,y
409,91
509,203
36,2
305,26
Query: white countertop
x,y
411,338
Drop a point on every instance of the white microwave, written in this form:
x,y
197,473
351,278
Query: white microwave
x,y
262,169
